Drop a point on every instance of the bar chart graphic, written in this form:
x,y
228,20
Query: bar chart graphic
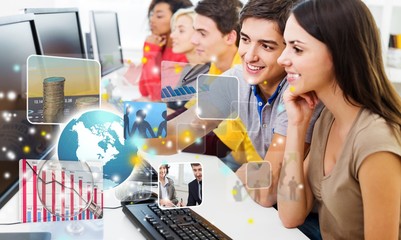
x,y
59,194
178,80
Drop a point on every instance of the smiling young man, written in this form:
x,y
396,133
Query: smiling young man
x,y
195,186
262,82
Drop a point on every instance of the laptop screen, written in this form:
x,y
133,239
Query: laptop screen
x,y
59,30
106,40
18,138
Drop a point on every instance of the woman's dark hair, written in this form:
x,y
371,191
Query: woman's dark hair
x,y
272,10
174,5
349,31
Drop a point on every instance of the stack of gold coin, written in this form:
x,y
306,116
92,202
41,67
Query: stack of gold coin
x,y
53,99
86,103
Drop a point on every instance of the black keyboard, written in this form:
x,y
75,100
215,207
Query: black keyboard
x,y
171,224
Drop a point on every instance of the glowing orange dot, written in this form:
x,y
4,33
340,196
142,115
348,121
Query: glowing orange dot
x,y
144,60
135,160
177,69
105,96
26,149
147,48
234,192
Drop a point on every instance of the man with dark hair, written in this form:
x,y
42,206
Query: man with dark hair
x,y
217,24
195,187
216,40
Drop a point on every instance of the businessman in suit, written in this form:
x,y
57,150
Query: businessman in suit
x,y
195,187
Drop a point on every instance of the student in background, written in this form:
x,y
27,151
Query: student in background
x,y
195,187
158,46
182,31
217,29
216,40
167,193
216,25
181,34
353,169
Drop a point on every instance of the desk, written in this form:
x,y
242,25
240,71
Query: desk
x,y
239,220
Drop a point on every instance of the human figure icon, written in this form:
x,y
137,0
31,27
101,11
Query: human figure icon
x,y
256,186
109,89
126,122
284,174
163,125
237,191
292,184
142,126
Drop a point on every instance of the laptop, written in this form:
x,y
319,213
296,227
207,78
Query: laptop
x,y
18,137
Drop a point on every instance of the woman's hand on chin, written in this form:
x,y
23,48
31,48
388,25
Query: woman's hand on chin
x,y
299,107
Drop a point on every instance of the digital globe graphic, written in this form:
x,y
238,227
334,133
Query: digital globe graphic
x,y
97,135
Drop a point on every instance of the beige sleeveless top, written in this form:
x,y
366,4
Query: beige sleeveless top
x,y
338,195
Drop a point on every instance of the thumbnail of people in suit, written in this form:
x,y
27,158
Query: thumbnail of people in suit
x,y
195,187
167,193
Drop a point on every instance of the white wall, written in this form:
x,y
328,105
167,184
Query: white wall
x,y
132,16
16,7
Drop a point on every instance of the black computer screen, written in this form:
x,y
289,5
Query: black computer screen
x,y
18,138
107,44
59,31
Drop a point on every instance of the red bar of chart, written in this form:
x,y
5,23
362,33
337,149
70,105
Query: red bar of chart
x,y
49,195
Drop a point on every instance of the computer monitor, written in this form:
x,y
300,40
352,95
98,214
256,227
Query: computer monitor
x,y
18,138
106,43
59,31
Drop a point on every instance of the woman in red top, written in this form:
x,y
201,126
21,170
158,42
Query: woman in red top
x,y
158,46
